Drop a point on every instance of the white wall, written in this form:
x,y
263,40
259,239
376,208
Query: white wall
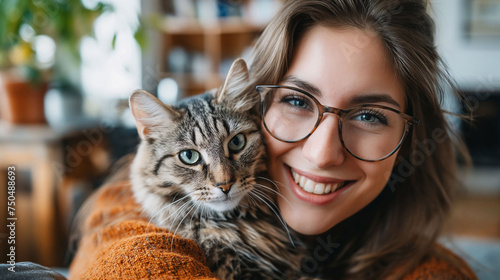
x,y
474,65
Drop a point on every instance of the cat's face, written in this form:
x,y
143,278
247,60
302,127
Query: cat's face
x,y
205,150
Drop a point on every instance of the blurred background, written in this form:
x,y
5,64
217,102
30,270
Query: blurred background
x,y
67,68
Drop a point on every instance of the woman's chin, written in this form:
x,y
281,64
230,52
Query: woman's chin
x,y
309,228
304,221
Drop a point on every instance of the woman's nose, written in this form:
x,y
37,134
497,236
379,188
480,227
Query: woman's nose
x,y
324,148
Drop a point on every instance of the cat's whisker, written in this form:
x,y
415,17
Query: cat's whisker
x,y
163,209
274,187
277,213
266,196
274,208
282,222
254,201
250,204
192,216
153,217
187,214
175,196
176,212
167,206
172,225
275,184
274,191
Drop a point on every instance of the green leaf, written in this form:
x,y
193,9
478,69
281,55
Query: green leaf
x,y
140,38
65,21
113,43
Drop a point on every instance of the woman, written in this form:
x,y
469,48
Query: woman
x,y
392,197
369,193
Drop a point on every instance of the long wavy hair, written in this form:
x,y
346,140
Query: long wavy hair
x,y
398,230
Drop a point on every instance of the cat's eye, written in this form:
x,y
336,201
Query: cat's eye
x,y
190,157
237,143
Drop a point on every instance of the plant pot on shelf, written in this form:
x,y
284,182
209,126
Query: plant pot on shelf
x,y
21,101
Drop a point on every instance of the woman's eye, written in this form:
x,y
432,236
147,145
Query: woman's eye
x,y
372,117
367,118
299,103
237,143
190,157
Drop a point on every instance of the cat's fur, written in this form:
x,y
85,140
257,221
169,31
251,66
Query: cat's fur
x,y
216,202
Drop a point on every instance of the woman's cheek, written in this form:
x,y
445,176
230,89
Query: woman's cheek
x,y
379,172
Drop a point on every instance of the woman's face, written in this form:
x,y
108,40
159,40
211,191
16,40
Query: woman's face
x,y
343,66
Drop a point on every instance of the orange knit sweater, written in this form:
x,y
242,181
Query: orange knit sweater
x,y
117,242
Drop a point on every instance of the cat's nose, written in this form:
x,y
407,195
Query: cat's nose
x,y
225,187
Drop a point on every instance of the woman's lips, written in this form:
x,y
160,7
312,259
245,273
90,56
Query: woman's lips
x,y
315,192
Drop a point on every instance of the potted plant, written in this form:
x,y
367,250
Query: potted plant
x,y
39,43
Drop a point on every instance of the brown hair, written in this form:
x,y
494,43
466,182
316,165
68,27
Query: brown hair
x,y
401,231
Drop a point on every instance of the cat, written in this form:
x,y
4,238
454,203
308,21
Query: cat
x,y
195,174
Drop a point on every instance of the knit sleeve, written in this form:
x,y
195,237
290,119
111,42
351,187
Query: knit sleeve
x,y
118,242
442,264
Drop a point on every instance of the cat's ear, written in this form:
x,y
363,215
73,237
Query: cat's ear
x,y
235,89
149,112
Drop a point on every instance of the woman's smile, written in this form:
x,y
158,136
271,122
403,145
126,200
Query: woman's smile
x,y
315,186
316,190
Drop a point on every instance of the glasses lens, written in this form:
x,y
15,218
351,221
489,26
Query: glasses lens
x,y
288,114
372,133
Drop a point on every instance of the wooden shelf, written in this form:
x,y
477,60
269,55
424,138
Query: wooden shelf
x,y
217,41
195,85
183,27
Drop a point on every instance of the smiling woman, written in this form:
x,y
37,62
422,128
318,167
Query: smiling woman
x,y
347,96
321,159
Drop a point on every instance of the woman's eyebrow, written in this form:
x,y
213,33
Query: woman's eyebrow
x,y
360,99
374,98
310,88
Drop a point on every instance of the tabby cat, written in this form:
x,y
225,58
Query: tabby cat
x,y
195,174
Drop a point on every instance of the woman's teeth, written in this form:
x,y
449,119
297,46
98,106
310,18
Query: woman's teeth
x,y
317,188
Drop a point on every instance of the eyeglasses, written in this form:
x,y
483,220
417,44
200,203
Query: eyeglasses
x,y
369,132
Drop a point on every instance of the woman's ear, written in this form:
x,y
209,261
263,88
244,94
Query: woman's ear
x,y
235,91
150,113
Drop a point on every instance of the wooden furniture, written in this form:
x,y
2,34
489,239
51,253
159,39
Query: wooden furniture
x,y
37,149
477,216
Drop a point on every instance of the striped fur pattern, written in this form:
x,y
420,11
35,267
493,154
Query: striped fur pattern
x,y
195,174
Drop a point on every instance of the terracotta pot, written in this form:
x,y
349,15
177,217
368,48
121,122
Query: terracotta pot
x,y
22,102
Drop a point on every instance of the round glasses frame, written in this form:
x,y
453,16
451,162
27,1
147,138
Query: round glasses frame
x,y
322,109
